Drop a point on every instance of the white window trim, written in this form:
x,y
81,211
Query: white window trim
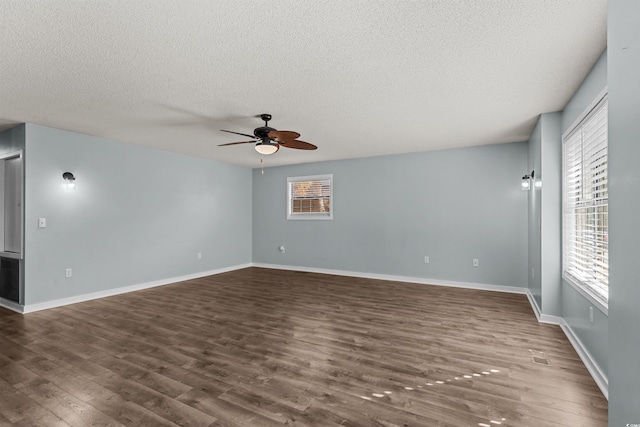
x,y
309,216
587,293
586,112
581,288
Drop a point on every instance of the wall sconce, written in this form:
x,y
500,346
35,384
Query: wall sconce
x,y
70,179
526,181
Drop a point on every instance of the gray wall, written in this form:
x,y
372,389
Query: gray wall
x,y
550,175
575,307
575,312
545,210
534,216
391,211
589,89
624,190
12,139
137,215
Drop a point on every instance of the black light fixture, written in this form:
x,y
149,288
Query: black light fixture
x,y
526,181
71,180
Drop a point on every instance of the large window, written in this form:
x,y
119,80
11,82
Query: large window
x,y
585,241
310,197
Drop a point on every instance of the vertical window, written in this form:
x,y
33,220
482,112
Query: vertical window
x,y
310,197
585,240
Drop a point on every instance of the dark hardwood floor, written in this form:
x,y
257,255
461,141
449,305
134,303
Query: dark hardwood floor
x,y
268,347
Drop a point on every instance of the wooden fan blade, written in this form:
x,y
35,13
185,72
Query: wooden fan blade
x,y
234,143
299,145
237,133
283,135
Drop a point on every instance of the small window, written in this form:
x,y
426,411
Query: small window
x,y
585,243
310,197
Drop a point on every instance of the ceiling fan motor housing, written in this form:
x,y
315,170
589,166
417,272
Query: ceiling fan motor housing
x,y
262,132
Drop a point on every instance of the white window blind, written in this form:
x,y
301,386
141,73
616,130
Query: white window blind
x,y
310,197
585,242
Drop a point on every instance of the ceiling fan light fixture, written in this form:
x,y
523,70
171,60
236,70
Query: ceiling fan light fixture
x,y
268,140
267,148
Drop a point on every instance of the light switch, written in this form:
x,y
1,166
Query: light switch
x,y
42,222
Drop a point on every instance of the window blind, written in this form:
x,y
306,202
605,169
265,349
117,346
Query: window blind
x,y
310,197
585,243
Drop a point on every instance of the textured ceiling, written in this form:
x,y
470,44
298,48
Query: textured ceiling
x,y
356,78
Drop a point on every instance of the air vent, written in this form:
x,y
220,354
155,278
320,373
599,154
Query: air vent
x,y
539,357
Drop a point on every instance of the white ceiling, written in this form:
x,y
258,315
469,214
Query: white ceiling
x,y
356,78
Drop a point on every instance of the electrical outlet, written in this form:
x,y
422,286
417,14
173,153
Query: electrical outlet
x,y
282,249
476,262
426,259
591,314
68,272
199,255
42,222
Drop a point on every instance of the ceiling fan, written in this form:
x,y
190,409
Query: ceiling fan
x,y
269,140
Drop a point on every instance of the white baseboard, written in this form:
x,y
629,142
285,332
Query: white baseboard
x,y
10,305
534,304
542,318
408,279
596,373
589,362
30,308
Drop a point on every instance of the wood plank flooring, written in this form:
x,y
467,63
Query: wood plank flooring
x,y
259,347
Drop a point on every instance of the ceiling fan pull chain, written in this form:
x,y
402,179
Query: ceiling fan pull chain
x,y
262,164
